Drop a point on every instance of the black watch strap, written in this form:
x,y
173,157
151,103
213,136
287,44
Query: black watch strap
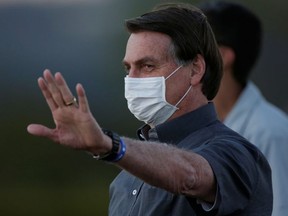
x,y
112,154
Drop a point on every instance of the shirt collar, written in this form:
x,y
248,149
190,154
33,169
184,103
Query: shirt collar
x,y
177,129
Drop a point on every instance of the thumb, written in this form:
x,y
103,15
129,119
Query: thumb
x,y
40,130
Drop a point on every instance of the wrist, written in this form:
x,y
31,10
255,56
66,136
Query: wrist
x,y
106,146
117,150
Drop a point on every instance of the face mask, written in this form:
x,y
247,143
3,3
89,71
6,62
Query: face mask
x,y
146,99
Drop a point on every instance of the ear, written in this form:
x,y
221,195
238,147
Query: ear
x,y
228,56
198,69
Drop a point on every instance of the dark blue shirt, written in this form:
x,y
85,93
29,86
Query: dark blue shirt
x,y
242,173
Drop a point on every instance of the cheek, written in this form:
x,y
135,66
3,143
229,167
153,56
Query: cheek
x,y
176,88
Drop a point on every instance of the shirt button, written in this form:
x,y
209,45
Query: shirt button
x,y
134,192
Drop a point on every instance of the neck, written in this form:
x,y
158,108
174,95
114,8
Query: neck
x,y
227,96
192,101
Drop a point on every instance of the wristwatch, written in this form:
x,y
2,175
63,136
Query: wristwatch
x,y
113,153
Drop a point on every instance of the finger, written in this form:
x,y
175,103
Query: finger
x,y
47,95
64,89
53,88
41,130
83,102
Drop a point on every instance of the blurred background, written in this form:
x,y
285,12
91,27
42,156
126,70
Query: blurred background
x,y
85,40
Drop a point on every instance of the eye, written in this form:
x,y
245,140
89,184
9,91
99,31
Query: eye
x,y
148,67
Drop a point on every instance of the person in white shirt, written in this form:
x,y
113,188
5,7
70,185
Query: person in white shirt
x,y
239,103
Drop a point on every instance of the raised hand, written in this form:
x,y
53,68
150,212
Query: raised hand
x,y
75,125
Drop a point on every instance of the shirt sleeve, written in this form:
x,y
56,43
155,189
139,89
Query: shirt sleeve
x,y
235,170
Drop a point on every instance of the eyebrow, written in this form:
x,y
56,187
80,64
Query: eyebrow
x,y
141,61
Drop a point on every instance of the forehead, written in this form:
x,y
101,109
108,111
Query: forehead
x,y
147,44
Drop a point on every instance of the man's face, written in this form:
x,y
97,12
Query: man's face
x,y
148,55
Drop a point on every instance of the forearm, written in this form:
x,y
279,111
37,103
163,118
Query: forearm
x,y
178,171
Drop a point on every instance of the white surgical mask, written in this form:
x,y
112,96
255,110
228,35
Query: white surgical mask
x,y
146,99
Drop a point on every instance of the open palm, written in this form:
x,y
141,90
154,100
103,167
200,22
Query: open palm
x,y
75,125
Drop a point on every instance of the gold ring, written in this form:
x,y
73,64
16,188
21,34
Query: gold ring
x,y
73,101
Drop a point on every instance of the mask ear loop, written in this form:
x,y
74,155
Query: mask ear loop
x,y
183,96
173,72
187,89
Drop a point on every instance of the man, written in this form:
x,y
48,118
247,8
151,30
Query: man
x,y
187,162
239,102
